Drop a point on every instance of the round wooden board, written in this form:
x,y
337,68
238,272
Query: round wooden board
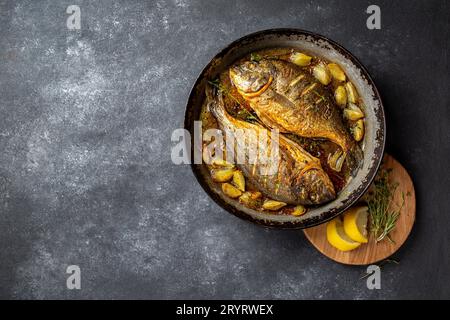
x,y
373,252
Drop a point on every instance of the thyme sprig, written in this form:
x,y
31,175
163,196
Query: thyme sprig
x,y
383,216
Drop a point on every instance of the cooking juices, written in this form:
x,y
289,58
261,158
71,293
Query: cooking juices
x,y
313,104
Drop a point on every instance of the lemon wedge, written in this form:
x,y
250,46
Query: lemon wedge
x,y
355,224
337,238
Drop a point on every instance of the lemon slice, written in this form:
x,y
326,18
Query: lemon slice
x,y
355,224
337,238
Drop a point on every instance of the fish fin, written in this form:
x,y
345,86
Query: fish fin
x,y
269,123
336,160
215,103
209,92
355,159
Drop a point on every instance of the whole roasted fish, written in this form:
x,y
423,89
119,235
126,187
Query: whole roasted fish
x,y
289,99
299,178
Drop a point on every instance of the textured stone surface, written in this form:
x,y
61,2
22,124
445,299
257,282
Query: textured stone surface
x,y
85,171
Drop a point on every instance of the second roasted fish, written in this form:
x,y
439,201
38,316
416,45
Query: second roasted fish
x,y
299,178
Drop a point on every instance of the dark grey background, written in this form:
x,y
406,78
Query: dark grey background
x,y
85,172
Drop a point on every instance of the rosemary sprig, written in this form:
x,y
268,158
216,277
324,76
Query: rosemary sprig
x,y
382,217
243,112
247,115
216,83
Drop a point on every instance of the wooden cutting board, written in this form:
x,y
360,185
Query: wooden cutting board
x,y
373,252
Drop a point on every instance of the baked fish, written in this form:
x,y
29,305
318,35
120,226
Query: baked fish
x,y
291,100
299,178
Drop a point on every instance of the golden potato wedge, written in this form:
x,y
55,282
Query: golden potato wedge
x,y
273,205
300,59
222,175
358,130
353,112
239,180
322,74
231,190
299,210
222,163
340,95
352,94
336,72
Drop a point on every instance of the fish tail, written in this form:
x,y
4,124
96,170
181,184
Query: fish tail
x,y
355,158
215,103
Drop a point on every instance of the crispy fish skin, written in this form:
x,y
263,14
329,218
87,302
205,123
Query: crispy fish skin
x,y
299,179
289,99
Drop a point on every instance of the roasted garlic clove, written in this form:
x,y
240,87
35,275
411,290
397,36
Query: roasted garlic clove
x,y
273,205
358,130
353,112
299,210
222,175
336,72
322,74
239,180
352,94
340,95
300,59
230,190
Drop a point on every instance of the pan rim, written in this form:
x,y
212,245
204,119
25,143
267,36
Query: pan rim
x,y
353,197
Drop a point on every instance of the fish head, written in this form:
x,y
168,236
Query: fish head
x,y
314,187
251,77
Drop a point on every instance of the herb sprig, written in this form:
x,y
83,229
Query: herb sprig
x,y
322,97
216,83
243,112
382,216
255,57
